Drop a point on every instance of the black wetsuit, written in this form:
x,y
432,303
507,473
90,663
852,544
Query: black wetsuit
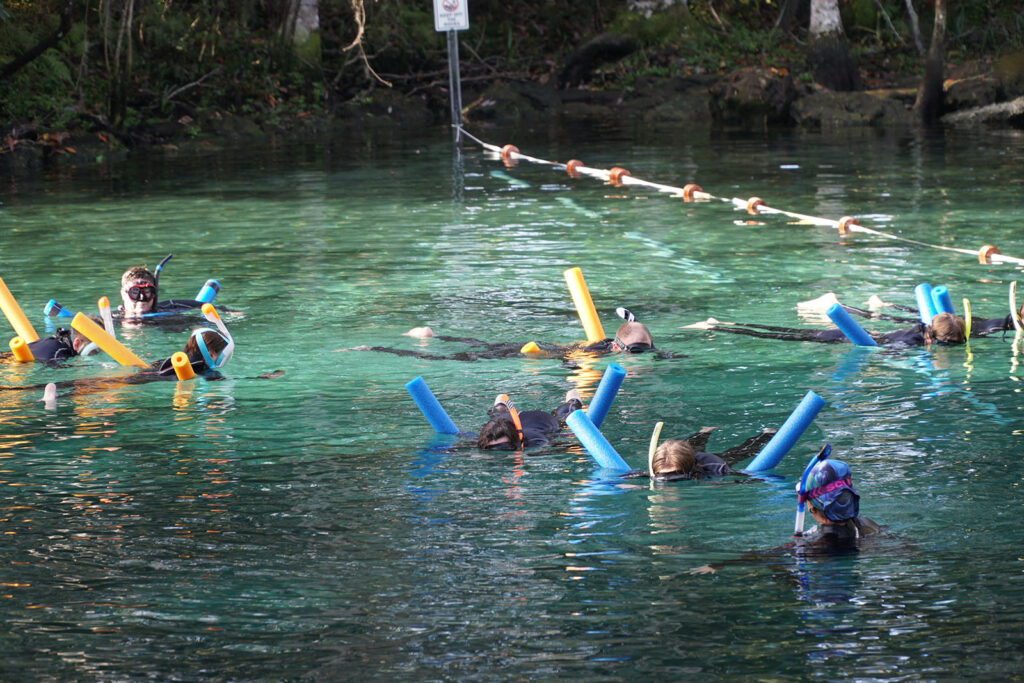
x,y
838,536
912,336
495,350
167,306
539,426
52,349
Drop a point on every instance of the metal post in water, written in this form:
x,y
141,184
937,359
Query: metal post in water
x,y
451,16
455,85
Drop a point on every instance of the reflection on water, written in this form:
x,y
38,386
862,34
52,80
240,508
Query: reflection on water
x,y
312,524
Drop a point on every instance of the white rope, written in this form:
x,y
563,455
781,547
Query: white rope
x,y
510,153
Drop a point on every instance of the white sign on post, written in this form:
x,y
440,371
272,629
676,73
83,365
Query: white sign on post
x,y
451,15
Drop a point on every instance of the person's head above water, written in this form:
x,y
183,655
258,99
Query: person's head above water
x,y
673,457
214,343
498,434
947,328
138,291
633,337
829,490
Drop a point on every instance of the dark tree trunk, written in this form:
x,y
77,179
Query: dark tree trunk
x,y
833,65
931,99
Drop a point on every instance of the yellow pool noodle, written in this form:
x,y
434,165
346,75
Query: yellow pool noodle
x,y
530,347
15,315
21,351
584,305
114,348
182,366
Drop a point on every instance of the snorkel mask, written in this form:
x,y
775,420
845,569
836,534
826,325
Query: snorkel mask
x,y
801,488
225,354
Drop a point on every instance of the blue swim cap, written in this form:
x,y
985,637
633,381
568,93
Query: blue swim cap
x,y
830,489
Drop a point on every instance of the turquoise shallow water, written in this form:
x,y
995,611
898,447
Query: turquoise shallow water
x,y
311,526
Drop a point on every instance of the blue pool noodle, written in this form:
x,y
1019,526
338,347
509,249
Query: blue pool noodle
x,y
430,407
925,304
788,433
606,390
208,292
54,309
595,443
942,301
849,326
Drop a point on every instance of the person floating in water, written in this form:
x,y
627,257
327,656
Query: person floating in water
x,y
630,337
207,350
686,459
63,345
828,492
510,430
980,327
945,328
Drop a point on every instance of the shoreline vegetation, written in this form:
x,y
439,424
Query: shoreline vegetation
x,y
89,81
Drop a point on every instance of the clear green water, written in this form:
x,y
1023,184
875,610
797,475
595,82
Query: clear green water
x,y
309,527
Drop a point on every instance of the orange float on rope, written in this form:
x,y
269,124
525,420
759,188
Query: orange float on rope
x,y
689,189
753,203
985,253
572,167
844,224
616,174
507,151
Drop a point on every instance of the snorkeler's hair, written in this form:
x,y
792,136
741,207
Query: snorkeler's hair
x,y
78,336
634,333
673,457
494,430
136,273
949,328
215,343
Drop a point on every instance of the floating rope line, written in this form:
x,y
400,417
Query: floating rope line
x,y
754,206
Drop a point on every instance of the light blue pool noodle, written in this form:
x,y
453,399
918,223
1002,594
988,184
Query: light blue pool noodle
x,y
430,407
54,309
942,301
848,326
208,292
925,304
791,430
595,443
605,394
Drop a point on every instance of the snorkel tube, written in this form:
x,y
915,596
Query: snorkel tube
x,y
801,488
503,399
156,278
108,320
655,435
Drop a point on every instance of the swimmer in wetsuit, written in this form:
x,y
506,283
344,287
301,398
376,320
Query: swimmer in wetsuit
x,y
510,430
674,460
980,327
208,350
630,337
63,345
834,505
945,328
